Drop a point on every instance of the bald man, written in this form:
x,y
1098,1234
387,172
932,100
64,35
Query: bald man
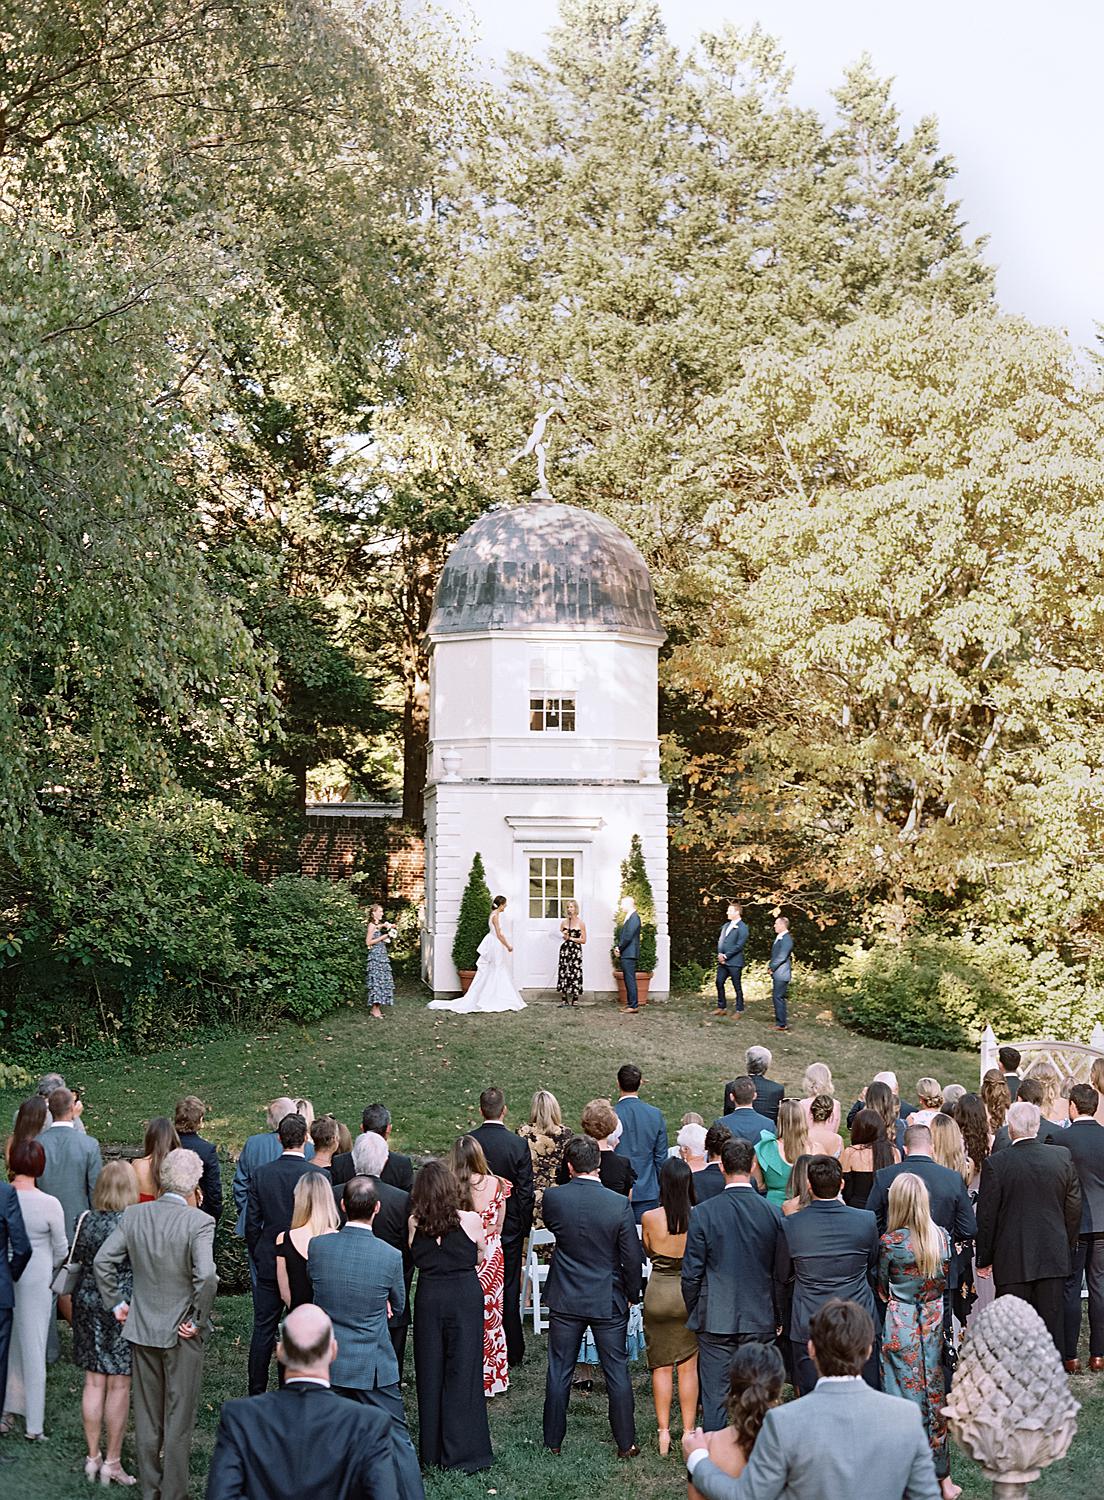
x,y
302,1439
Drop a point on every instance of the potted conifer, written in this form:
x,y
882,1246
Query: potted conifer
x,y
471,925
635,883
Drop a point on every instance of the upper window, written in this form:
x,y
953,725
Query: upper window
x,y
552,713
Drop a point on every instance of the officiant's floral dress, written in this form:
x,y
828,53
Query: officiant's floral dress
x,y
496,1371
381,982
912,1342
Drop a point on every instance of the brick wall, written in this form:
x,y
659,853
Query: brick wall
x,y
391,854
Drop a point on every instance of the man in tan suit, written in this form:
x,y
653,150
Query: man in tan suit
x,y
170,1246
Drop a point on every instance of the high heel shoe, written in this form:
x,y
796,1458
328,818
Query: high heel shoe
x,y
92,1467
664,1441
114,1473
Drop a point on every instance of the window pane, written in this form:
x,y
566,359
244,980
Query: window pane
x,y
536,713
568,716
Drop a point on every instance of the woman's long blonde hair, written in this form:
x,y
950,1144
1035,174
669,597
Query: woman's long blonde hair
x,y
949,1147
1046,1076
910,1208
793,1130
314,1204
545,1114
818,1080
1096,1075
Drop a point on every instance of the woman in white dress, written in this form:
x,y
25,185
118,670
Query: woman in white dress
x,y
492,988
45,1225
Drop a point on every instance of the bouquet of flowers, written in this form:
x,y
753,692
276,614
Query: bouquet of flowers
x,y
388,931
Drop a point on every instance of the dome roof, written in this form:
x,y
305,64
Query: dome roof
x,y
543,566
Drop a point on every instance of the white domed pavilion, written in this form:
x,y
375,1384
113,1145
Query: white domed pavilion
x,y
544,748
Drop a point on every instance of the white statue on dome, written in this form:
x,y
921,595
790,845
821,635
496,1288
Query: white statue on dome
x,y
535,446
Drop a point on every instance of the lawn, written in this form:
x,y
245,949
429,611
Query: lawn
x,y
429,1068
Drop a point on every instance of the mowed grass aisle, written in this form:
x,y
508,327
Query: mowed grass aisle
x,y
429,1068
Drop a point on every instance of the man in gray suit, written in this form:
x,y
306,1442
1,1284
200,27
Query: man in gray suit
x,y
355,1276
170,1247
842,1440
73,1160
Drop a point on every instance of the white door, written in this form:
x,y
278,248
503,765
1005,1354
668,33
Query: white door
x,y
552,882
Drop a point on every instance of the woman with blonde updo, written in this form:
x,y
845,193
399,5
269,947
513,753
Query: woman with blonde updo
x,y
817,1081
546,1135
1054,1108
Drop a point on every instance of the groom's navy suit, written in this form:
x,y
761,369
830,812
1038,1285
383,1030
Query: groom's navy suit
x,y
730,961
628,944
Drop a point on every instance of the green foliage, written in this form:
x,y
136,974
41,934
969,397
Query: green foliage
x,y
943,991
635,883
304,940
475,913
231,1256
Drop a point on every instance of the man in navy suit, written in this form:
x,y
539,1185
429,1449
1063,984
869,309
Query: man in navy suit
x,y
355,1276
643,1139
1084,1140
730,958
628,950
744,1120
15,1257
781,967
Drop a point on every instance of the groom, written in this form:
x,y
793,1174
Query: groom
x,y
628,950
730,958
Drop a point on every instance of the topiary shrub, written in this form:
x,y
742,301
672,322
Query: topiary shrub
x,y
635,883
475,913
942,991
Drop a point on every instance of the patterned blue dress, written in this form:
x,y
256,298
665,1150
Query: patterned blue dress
x,y
380,980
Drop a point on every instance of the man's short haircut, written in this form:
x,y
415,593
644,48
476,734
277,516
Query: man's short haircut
x,y
918,1135
48,1083
299,1356
1084,1098
278,1109
842,1334
292,1131
369,1154
180,1172
757,1061
742,1090
1009,1058
361,1197
188,1114
889,1078
492,1104
628,1078
582,1155
784,919
60,1103
737,1156
1030,1091
825,1177
323,1132
377,1118
715,1138
1023,1120
738,905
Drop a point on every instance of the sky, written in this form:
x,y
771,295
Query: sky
x,y
1015,87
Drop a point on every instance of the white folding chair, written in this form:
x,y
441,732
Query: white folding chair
x,y
536,1274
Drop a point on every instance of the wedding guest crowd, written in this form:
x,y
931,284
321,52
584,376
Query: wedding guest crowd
x,y
765,1247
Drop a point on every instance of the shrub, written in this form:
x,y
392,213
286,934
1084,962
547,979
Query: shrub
x,y
305,941
475,913
691,978
635,883
942,991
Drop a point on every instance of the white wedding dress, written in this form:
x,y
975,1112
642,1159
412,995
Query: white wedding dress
x,y
492,988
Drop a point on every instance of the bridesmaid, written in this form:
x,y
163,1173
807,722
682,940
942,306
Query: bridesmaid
x,y
569,979
381,982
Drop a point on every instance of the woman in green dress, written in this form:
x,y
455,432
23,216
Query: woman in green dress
x,y
775,1155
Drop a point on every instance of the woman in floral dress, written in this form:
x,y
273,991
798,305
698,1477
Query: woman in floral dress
x,y
381,983
485,1194
546,1135
569,975
913,1267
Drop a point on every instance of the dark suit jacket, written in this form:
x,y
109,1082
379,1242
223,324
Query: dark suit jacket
x,y
732,944
628,941
1013,1082
736,1264
1084,1141
1048,1131
1029,1212
834,1250
708,1182
644,1142
15,1247
508,1156
210,1184
298,1441
598,1260
268,1208
398,1171
768,1096
748,1124
950,1202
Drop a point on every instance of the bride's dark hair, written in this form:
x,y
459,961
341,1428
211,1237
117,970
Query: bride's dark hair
x,y
754,1386
497,902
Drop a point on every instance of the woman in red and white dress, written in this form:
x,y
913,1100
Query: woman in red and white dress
x,y
486,1194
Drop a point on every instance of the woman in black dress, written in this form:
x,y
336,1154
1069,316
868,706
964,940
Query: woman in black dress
x,y
446,1243
569,978
868,1153
313,1211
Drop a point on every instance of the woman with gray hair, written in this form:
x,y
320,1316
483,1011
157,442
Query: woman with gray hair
x,y
691,1146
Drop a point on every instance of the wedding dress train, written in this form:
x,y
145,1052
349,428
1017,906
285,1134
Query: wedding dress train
x,y
492,989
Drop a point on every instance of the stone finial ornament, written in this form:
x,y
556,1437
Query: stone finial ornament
x,y
1010,1406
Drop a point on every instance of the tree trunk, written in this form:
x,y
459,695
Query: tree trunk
x,y
415,745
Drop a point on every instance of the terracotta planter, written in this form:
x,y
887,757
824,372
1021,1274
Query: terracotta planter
x,y
642,983
466,977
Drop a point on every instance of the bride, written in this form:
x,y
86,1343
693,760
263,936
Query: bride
x,y
492,988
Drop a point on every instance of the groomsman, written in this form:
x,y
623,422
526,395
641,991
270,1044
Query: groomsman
x,y
730,958
628,950
781,968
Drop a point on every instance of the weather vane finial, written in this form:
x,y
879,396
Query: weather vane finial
x,y
535,446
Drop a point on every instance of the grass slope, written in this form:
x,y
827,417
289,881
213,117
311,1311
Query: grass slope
x,y
429,1068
